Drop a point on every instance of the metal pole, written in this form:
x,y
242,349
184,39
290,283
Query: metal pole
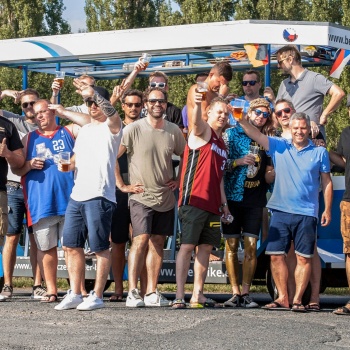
x,y
268,67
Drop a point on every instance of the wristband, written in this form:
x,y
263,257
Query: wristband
x,y
234,164
224,205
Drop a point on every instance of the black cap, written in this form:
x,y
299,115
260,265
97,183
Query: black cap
x,y
102,91
348,101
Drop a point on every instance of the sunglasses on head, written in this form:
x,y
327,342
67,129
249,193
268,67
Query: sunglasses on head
x,y
137,105
26,104
160,85
258,112
250,82
153,101
89,103
285,110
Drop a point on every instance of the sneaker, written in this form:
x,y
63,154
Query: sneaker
x,y
2,298
247,301
38,292
134,299
233,302
7,291
92,302
70,301
156,299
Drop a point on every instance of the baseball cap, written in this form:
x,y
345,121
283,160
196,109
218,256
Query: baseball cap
x,y
348,101
102,91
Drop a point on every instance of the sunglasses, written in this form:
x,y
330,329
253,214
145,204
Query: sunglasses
x,y
250,82
258,112
160,85
153,101
89,103
285,110
283,59
137,105
26,104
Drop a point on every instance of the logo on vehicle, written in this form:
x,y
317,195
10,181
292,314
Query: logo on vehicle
x,y
290,35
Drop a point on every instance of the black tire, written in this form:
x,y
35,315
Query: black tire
x,y
271,287
89,285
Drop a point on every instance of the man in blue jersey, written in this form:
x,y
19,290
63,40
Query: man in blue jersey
x,y
300,166
46,189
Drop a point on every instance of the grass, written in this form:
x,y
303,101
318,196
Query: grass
x,y
62,284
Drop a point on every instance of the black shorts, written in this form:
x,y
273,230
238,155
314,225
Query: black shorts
x,y
147,220
199,226
247,221
121,219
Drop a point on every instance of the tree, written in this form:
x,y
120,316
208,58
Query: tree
x,y
28,18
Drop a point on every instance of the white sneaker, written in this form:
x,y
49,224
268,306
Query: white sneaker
x,y
2,298
156,299
134,299
70,301
92,302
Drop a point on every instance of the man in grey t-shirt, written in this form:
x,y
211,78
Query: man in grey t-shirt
x,y
24,124
306,89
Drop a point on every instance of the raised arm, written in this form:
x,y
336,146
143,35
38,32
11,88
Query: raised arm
x,y
75,117
252,132
199,126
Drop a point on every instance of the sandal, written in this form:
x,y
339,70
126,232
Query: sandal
x,y
179,304
314,307
344,310
116,298
49,298
298,307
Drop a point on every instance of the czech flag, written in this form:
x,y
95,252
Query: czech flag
x,y
342,57
257,54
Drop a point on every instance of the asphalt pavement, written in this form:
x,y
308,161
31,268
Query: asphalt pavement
x,y
29,324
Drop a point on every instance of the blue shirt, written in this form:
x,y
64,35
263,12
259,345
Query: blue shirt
x,y
297,180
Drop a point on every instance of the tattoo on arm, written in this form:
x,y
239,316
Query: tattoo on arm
x,y
105,105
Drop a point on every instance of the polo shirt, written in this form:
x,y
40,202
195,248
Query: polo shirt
x,y
306,93
297,181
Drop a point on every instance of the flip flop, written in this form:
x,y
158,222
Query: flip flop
x,y
343,311
49,298
116,298
208,303
275,306
313,307
179,304
298,307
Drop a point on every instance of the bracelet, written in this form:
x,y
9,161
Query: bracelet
x,y
224,205
234,164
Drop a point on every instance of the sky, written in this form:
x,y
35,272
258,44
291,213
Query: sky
x,y
74,14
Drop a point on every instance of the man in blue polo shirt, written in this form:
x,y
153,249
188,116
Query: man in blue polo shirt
x,y
300,166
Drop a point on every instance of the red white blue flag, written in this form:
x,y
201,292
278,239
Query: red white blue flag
x,y
341,59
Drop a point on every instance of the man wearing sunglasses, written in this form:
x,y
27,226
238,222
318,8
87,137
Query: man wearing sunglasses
x,y
92,201
245,188
131,106
306,89
300,166
24,124
172,113
150,144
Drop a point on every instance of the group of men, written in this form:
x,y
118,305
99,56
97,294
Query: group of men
x,y
217,177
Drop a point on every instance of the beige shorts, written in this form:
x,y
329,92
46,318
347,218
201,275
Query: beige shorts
x,y
345,225
3,215
48,231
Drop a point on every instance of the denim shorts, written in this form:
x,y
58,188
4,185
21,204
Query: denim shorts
x,y
91,218
17,209
285,227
